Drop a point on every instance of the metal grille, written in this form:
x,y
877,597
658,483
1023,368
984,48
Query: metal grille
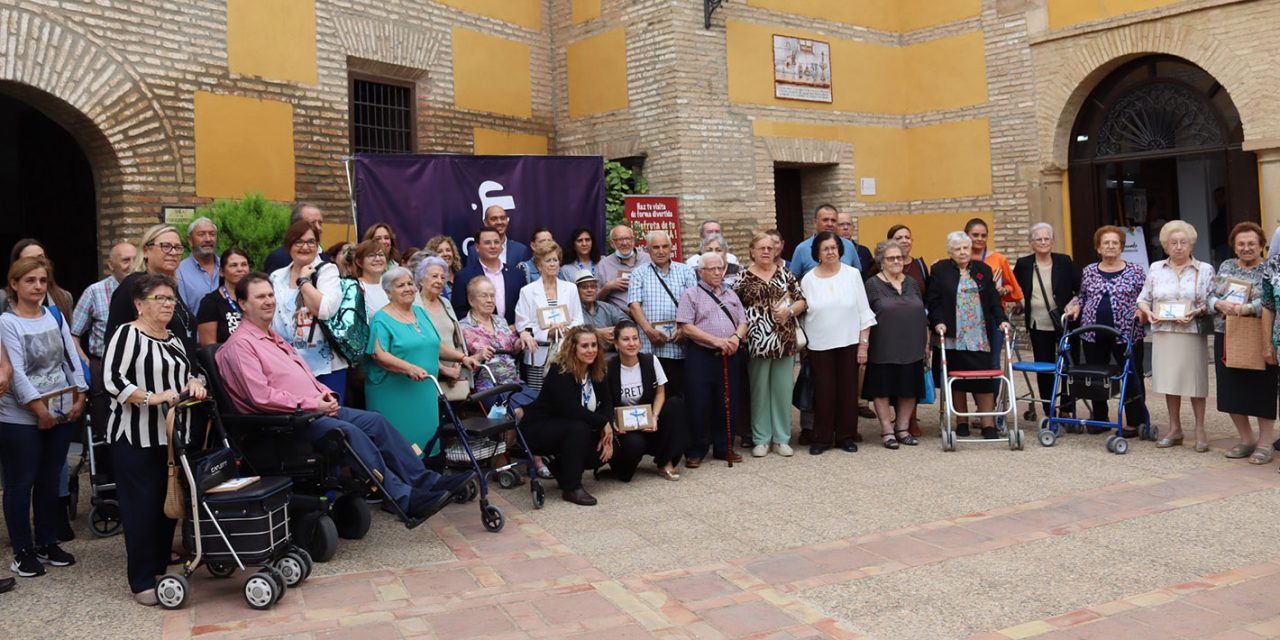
x,y
381,117
1159,117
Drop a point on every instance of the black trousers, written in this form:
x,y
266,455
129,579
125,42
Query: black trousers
x,y
1106,351
674,368
835,397
141,476
665,445
572,442
704,397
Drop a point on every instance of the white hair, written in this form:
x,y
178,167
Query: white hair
x,y
191,228
713,237
389,278
702,259
957,238
649,237
1031,233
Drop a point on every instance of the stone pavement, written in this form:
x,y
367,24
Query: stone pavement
x,y
1067,542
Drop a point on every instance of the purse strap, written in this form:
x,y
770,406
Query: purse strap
x,y
728,315
1044,295
664,283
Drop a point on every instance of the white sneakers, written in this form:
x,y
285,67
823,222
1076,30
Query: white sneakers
x,y
146,598
783,449
759,450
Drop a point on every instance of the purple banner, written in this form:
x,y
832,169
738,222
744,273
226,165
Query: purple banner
x,y
425,195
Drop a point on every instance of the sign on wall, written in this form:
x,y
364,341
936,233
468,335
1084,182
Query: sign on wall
x,y
655,213
801,69
422,195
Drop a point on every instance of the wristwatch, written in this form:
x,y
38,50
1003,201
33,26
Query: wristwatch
x,y
301,281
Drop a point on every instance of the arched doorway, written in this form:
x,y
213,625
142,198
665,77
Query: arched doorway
x,y
1157,140
48,186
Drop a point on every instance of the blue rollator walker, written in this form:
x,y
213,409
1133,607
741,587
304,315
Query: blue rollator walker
x,y
1101,382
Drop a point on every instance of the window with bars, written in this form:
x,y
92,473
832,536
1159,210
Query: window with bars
x,y
382,116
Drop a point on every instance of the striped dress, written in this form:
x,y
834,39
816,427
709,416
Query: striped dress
x,y
133,361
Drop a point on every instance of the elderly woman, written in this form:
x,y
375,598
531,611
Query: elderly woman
x,y
446,250
772,299
547,307
307,291
1174,297
430,276
219,314
637,379
160,251
1238,292
899,343
1108,296
1049,280
716,243
404,347
915,269
838,323
146,369
368,263
37,417
382,234
585,252
964,308
493,342
1006,283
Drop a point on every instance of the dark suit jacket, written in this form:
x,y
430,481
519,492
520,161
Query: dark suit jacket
x,y
517,252
940,296
561,399
1065,285
512,279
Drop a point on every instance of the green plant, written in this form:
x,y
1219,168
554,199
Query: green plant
x,y
619,182
253,223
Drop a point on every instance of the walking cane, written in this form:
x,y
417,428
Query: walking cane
x,y
728,422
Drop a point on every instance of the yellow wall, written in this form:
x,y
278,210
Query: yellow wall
x,y
928,230
274,39
939,161
526,13
584,10
1064,13
941,74
597,69
335,232
491,142
883,15
491,74
243,145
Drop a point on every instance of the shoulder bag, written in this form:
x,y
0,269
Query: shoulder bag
x,y
347,330
1204,321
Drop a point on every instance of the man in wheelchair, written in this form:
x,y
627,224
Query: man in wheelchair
x,y
264,375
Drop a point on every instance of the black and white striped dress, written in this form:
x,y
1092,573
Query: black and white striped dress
x,y
134,360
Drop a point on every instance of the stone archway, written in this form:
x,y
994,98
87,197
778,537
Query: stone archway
x,y
79,82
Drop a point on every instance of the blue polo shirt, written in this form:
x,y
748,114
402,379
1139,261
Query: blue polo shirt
x,y
802,260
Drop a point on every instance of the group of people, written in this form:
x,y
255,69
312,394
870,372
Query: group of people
x,y
615,357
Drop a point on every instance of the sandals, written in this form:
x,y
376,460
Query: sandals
x,y
890,442
1241,451
1260,455
906,438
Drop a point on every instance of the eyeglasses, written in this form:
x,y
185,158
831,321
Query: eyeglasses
x,y
377,254
714,269
167,247
892,259
163,300
306,244
1042,239
486,296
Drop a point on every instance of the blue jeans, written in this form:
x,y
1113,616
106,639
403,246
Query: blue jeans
x,y
32,459
381,448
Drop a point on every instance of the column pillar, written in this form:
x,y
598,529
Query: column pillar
x,y
1269,186
1047,206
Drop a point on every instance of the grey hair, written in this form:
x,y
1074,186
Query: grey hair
x,y
295,214
956,238
395,273
702,259
702,226
648,237
885,246
714,237
428,261
191,228
1031,233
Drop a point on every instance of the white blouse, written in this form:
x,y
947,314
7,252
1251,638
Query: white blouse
x,y
837,308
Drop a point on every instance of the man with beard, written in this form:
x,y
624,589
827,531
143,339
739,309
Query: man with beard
x,y
198,273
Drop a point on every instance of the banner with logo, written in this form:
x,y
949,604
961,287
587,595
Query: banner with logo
x,y
424,195
655,213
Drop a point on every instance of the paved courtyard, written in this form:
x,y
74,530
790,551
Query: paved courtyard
x,y
1070,542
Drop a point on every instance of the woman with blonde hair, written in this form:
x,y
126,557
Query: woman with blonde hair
x,y
1174,299
159,252
572,418
446,250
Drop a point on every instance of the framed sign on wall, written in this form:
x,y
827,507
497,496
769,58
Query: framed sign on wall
x,y
801,69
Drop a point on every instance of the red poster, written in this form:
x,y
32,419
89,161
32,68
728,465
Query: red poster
x,y
649,213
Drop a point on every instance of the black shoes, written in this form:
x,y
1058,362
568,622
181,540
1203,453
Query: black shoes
x,y
7,584
580,496
962,430
53,555
26,564
453,483
849,445
990,433
816,449
424,503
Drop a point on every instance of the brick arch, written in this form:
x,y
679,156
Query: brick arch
x,y
1062,93
80,83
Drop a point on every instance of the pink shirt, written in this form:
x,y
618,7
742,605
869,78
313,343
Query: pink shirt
x,y
499,288
263,374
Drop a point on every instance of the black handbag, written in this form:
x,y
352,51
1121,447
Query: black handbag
x,y
802,393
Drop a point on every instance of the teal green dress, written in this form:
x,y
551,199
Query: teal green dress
x,y
411,407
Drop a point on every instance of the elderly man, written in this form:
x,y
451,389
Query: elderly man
x,y
825,218
705,229
712,317
263,374
654,297
301,211
506,278
198,274
510,252
844,229
599,314
614,270
91,317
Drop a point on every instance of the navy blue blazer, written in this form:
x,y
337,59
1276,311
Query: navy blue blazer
x,y
517,252
512,280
